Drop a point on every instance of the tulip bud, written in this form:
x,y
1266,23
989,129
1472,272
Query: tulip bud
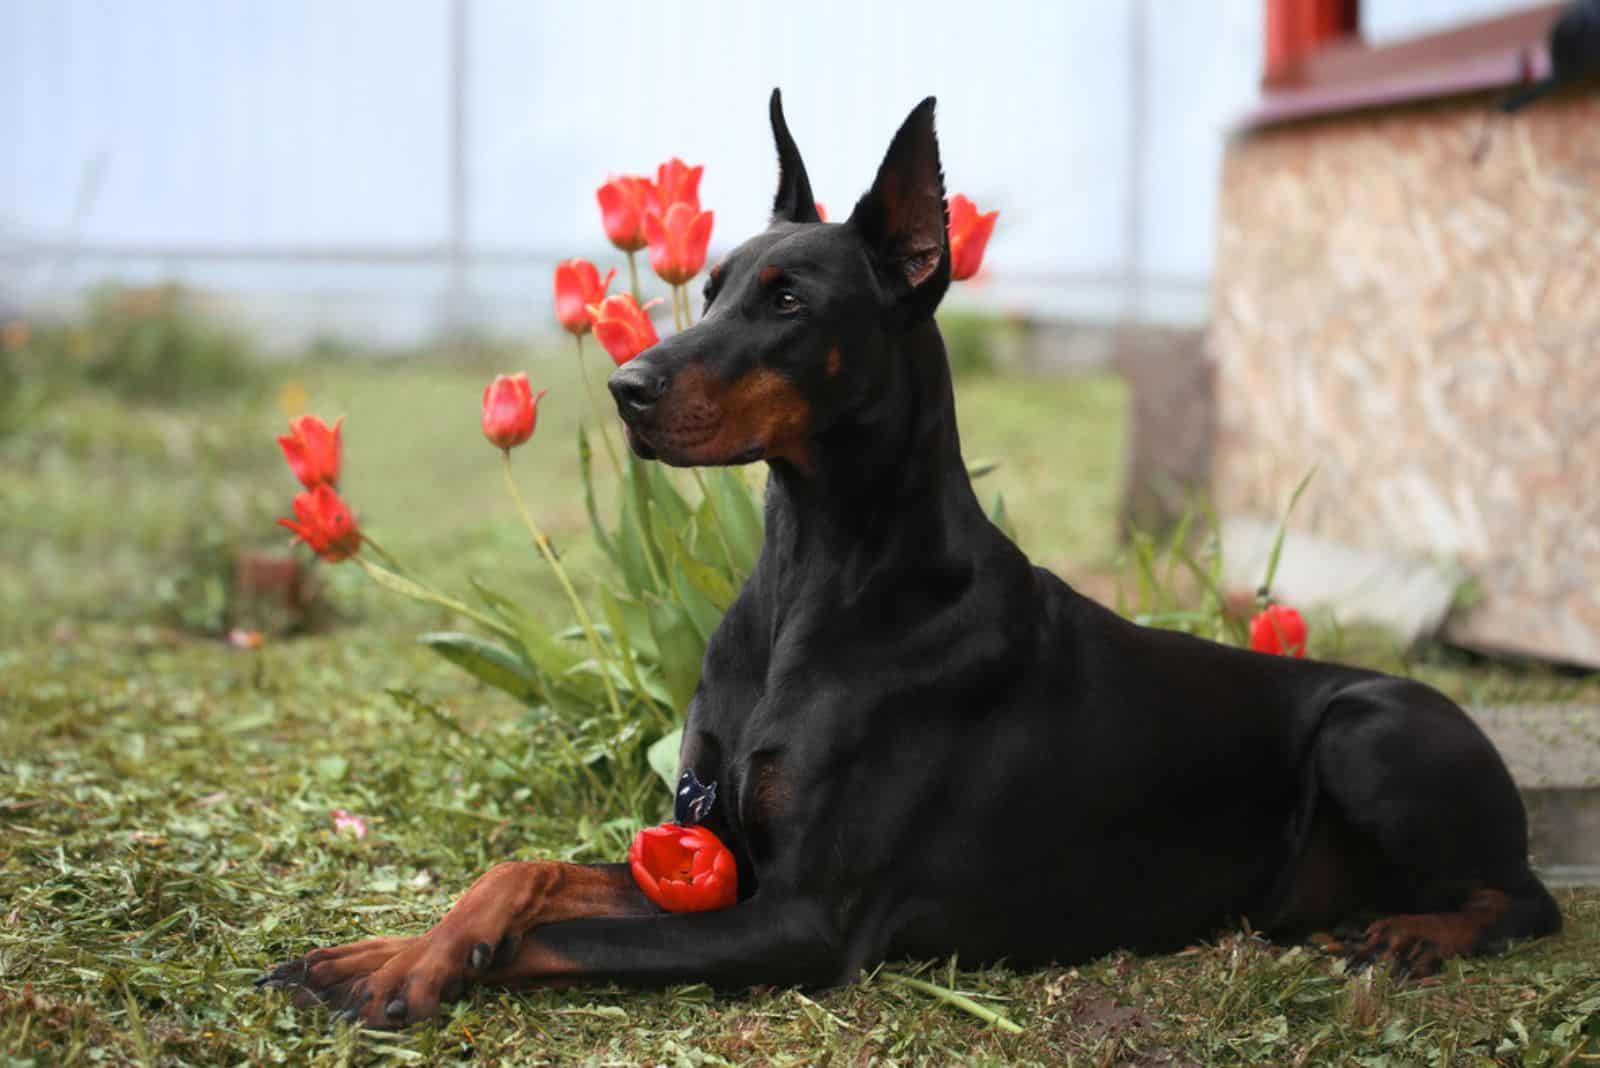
x,y
622,327
678,242
624,200
1279,630
677,183
325,523
969,236
510,410
313,450
577,285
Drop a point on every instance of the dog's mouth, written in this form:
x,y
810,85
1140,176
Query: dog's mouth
x,y
700,421
686,444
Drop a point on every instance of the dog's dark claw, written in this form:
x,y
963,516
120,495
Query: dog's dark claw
x,y
353,1013
287,974
482,954
396,1009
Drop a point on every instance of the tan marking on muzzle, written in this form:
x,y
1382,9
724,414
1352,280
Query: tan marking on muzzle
x,y
706,421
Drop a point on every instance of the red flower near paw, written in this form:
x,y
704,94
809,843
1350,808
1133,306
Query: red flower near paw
x,y
325,523
313,450
969,236
578,285
510,410
684,869
1279,630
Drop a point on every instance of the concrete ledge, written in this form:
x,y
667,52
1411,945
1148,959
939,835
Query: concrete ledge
x,y
1409,596
1553,752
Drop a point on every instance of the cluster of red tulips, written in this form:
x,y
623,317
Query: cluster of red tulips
x,y
664,215
322,520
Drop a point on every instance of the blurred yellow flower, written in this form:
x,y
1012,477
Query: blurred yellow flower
x,y
292,398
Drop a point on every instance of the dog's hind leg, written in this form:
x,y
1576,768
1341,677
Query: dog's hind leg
x,y
1443,828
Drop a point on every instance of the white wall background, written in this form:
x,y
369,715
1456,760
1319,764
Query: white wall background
x,y
304,123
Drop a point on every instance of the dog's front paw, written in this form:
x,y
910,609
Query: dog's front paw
x,y
389,982
336,977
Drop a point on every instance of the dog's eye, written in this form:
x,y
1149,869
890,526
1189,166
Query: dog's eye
x,y
786,301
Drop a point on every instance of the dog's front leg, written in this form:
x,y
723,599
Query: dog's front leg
x,y
526,924
766,940
387,982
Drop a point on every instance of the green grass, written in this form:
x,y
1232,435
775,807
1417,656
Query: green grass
x,y
165,799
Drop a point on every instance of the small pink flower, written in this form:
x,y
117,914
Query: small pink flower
x,y
240,638
348,822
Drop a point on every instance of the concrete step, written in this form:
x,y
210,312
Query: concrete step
x,y
1553,752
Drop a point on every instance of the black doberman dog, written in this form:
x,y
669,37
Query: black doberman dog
x,y
927,746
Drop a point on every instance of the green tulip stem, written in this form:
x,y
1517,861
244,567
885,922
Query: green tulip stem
x,y
543,544
950,997
641,505
633,278
599,419
384,554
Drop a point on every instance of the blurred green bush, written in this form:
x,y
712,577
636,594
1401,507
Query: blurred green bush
x,y
138,343
974,339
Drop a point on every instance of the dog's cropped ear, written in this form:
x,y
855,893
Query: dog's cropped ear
x,y
794,202
902,217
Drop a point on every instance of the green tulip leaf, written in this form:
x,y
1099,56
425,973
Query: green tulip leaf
x,y
1001,518
553,657
682,651
740,516
663,757
486,661
976,469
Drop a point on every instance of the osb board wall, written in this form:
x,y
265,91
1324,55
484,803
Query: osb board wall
x,y
1426,332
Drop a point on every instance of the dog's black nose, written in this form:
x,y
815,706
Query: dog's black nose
x,y
636,389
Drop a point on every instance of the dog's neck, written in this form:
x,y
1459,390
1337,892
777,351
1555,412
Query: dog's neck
x,y
887,509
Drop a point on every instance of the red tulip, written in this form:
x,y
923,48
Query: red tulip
x,y
313,450
678,242
624,201
578,285
677,183
324,522
622,327
1278,629
969,236
684,869
510,410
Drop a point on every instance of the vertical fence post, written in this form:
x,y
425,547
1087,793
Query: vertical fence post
x,y
456,298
